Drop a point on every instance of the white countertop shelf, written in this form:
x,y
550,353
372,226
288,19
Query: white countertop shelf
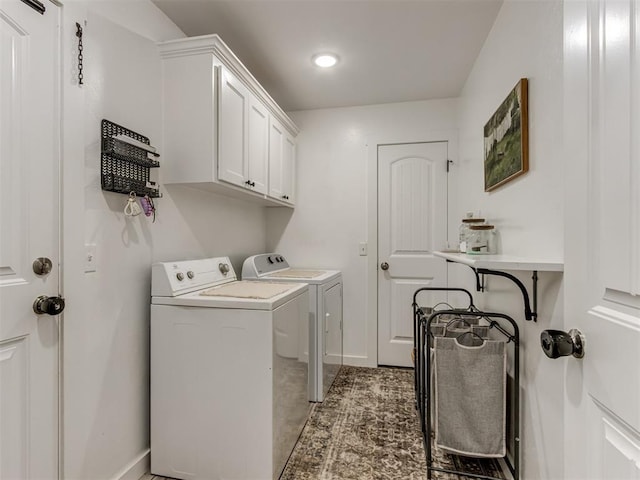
x,y
502,262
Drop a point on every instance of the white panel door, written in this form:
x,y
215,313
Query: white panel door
x,y
602,259
412,224
29,220
232,129
258,151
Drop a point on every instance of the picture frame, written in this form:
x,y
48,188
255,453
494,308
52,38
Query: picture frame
x,y
506,139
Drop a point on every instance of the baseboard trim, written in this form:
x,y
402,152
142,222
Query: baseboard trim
x,y
137,468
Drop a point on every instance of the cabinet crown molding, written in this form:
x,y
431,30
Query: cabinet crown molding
x,y
213,44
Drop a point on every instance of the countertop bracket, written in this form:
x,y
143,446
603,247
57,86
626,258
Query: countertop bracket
x,y
496,264
529,314
479,280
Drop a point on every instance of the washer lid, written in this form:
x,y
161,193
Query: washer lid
x,y
298,273
291,275
248,289
241,295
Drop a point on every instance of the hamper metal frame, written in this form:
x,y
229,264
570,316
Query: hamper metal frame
x,y
424,394
417,315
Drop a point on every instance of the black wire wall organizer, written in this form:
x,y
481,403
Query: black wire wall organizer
x,y
424,319
125,161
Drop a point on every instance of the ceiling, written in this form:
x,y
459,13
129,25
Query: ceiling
x,y
389,50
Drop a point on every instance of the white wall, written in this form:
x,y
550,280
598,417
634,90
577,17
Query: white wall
x,y
107,318
526,41
106,324
336,164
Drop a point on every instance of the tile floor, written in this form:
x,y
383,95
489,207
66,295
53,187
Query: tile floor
x,y
366,429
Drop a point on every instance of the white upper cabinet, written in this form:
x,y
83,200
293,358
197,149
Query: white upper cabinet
x,y
218,125
276,134
288,168
281,163
243,142
233,130
258,151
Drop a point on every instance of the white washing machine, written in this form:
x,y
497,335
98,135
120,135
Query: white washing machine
x,y
229,374
325,308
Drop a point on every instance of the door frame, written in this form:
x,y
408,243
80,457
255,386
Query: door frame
x,y
451,137
59,101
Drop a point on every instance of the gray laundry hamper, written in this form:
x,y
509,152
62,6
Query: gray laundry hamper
x,y
470,396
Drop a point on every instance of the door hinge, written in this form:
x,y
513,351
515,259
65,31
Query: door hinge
x,y
449,162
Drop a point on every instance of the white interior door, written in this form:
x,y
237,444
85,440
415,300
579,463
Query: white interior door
x,y
29,220
602,264
412,223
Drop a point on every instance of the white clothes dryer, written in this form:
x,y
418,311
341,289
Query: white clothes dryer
x,y
228,372
325,308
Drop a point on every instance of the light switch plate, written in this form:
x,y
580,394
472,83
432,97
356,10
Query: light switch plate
x,y
362,249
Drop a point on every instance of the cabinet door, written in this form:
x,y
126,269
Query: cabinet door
x,y
258,146
288,168
232,129
276,134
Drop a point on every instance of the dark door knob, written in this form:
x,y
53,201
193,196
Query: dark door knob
x,y
556,343
42,266
44,305
384,266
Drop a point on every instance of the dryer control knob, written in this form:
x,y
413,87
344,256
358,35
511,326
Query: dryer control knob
x,y
180,276
190,274
270,259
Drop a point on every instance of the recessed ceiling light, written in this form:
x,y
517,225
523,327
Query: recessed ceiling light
x,y
325,60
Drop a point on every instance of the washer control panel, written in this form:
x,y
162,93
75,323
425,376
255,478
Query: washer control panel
x,y
169,279
263,264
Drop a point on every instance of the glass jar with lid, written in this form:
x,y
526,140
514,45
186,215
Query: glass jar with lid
x,y
481,240
465,231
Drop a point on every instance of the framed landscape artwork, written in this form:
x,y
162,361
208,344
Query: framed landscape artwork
x,y
506,139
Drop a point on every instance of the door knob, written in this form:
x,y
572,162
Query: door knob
x,y
384,266
556,343
42,266
48,305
